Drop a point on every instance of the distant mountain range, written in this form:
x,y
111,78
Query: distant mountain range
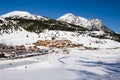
x,y
34,23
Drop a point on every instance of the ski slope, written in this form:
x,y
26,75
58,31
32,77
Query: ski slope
x,y
77,65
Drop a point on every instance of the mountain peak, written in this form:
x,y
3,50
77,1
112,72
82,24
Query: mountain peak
x,y
16,13
91,24
68,14
21,14
70,18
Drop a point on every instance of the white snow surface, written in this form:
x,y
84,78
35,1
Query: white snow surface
x,y
77,65
22,14
24,37
2,19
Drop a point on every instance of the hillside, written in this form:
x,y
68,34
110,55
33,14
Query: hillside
x,y
17,23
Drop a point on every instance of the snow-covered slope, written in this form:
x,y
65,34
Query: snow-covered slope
x,y
91,24
22,14
22,36
77,65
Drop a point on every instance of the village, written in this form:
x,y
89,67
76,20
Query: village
x,y
57,43
22,51
11,52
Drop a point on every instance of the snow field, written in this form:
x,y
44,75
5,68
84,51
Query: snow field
x,y
100,64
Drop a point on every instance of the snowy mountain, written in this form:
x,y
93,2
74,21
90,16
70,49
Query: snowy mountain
x,y
70,18
20,27
22,14
91,24
34,23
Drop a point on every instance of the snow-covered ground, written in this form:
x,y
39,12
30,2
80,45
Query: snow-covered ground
x,y
28,38
102,64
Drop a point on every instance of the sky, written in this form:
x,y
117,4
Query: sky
x,y
106,10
